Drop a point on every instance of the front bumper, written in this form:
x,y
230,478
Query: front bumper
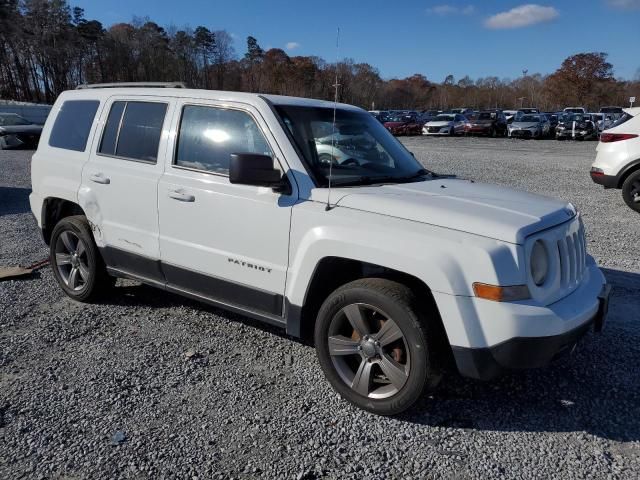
x,y
527,352
478,129
489,338
581,134
524,133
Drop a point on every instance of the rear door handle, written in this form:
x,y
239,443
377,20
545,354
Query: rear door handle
x,y
181,196
100,178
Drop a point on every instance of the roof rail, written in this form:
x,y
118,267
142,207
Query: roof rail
x,y
133,84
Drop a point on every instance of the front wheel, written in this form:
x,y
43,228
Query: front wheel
x,y
374,346
76,262
631,191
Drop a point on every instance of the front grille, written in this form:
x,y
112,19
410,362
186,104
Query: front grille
x,y
573,257
434,129
520,133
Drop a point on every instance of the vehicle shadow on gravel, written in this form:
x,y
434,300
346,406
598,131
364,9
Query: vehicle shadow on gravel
x,y
14,200
595,390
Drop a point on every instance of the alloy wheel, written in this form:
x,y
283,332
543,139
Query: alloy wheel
x,y
634,193
71,260
369,351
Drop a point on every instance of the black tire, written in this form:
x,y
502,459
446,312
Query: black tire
x,y
631,191
400,305
93,281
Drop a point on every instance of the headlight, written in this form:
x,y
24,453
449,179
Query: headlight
x,y
539,263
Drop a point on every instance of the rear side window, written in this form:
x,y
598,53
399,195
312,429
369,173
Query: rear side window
x,y
73,124
133,130
208,136
623,118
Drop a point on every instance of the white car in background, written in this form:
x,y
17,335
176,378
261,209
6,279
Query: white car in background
x,y
617,162
446,124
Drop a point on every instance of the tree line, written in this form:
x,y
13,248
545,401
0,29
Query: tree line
x,y
47,46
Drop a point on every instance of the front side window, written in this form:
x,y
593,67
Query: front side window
x,y
358,148
133,130
209,135
73,124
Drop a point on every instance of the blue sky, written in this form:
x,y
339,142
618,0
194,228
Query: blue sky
x,y
434,38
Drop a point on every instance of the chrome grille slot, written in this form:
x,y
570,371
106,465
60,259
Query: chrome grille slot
x,y
572,259
572,252
564,261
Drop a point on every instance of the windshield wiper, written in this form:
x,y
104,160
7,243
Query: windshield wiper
x,y
372,180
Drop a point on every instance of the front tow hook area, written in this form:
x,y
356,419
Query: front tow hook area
x,y
603,308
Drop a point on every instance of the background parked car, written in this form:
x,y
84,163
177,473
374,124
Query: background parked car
x,y
553,121
616,110
578,126
446,124
574,110
404,125
510,115
17,132
530,126
462,110
488,122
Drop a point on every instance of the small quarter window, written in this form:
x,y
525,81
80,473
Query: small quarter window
x,y
73,124
133,130
208,136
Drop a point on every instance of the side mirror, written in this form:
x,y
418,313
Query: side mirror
x,y
257,170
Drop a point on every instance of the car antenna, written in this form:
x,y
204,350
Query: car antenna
x,y
333,125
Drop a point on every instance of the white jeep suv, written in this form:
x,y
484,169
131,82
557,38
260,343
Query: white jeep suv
x,y
617,163
395,271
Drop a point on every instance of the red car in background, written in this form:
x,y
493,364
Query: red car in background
x,y
403,125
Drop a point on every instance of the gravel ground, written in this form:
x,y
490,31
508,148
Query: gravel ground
x,y
149,385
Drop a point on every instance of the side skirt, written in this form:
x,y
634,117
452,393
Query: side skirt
x,y
263,317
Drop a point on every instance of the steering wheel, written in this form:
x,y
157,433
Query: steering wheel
x,y
350,161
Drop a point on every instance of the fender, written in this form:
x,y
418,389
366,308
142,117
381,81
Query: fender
x,y
447,261
626,171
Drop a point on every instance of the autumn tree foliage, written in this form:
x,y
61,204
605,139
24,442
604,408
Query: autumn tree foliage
x,y
46,46
584,79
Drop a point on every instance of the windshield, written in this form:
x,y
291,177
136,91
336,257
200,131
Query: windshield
x,y
529,118
444,118
363,151
11,119
486,116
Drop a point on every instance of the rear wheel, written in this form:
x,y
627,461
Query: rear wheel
x,y
76,262
374,346
631,191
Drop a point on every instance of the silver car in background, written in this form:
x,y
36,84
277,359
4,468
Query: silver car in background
x,y
530,126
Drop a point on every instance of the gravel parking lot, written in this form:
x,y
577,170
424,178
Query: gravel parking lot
x,y
150,385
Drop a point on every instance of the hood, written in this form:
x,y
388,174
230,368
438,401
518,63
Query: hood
x,y
21,129
482,121
440,123
481,209
525,125
394,124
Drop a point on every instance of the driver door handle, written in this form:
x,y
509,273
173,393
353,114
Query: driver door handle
x,y
100,178
181,196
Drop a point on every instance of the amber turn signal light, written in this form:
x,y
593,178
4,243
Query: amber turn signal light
x,y
498,293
